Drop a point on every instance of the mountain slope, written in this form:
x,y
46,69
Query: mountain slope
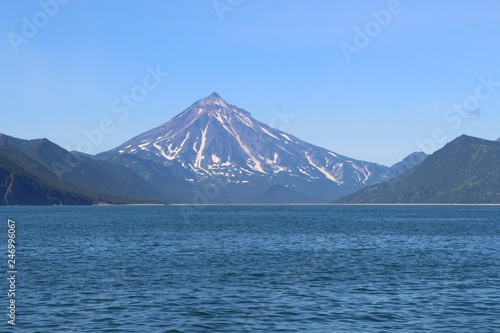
x,y
18,186
171,187
250,161
77,173
467,170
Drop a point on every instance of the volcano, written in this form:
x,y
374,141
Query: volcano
x,y
214,141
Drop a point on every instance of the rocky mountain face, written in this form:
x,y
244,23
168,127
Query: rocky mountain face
x,y
17,189
19,186
466,170
241,159
46,168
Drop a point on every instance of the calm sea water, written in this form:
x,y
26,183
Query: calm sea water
x,y
255,269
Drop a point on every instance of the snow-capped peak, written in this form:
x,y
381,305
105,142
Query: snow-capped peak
x,y
215,138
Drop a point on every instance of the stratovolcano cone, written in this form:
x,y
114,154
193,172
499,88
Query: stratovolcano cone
x,y
213,139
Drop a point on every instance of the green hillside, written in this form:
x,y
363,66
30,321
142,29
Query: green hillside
x,y
467,170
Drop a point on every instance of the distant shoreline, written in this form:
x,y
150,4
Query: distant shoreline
x,y
314,204
270,204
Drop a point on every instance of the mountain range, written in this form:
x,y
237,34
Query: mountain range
x,y
212,152
465,170
53,175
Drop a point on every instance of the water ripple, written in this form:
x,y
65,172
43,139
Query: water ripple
x,y
259,269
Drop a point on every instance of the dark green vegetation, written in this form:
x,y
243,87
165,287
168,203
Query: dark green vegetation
x,y
24,181
467,170
39,172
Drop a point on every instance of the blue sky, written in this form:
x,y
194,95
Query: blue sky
x,y
415,64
